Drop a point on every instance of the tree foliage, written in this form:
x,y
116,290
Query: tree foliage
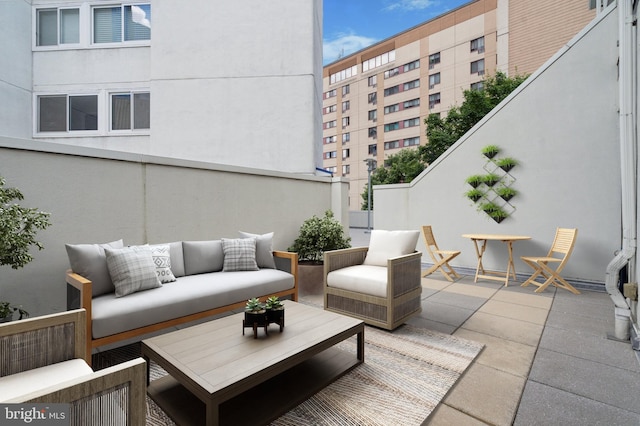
x,y
18,228
444,132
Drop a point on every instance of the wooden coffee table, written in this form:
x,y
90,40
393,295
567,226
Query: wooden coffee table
x,y
217,375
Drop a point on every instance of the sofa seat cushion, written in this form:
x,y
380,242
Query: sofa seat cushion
x,y
20,384
187,295
366,279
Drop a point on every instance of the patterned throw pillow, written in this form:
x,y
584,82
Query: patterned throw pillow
x,y
162,259
131,269
239,254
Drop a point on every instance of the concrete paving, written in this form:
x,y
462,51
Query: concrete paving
x,y
546,361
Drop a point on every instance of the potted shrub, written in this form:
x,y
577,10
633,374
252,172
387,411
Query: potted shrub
x,y
475,180
275,311
506,193
506,163
474,194
491,179
317,235
18,228
490,151
255,315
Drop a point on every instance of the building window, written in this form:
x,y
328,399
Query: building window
x,y
345,90
434,79
391,108
346,169
331,108
477,86
373,149
391,73
330,139
330,154
477,67
412,103
130,111
391,145
392,126
379,61
373,132
477,45
57,26
345,122
412,122
373,98
115,24
345,153
434,59
411,142
372,81
373,115
330,94
330,124
343,74
62,113
434,99
412,65
411,85
346,137
391,90
346,105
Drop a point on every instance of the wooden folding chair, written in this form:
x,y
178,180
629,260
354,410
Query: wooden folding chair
x,y
440,258
558,254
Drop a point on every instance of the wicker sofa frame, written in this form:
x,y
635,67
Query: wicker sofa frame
x,y
403,289
50,339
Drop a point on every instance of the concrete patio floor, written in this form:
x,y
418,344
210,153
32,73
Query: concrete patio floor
x,y
547,359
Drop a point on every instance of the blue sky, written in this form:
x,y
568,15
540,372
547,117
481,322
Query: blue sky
x,y
351,25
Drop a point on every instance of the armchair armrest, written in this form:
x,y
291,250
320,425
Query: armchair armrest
x,y
338,259
288,261
39,341
114,395
404,273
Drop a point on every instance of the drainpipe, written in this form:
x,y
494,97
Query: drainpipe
x,y
628,157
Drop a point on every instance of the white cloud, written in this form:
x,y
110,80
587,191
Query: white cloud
x,y
407,5
344,45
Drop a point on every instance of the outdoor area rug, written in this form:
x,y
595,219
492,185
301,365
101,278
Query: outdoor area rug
x,y
405,375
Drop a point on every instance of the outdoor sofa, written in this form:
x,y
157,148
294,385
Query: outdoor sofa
x,y
126,296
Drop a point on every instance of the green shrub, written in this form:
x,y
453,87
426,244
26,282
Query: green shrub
x,y
318,235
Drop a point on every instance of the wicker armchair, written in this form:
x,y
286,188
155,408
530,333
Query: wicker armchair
x,y
44,360
403,289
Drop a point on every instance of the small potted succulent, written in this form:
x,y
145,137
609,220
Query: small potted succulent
x,y
275,311
255,315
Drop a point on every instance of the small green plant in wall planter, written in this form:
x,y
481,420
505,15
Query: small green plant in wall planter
x,y
506,163
506,193
474,194
498,215
491,179
490,151
475,180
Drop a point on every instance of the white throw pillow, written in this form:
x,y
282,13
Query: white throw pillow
x,y
385,245
161,255
239,254
131,269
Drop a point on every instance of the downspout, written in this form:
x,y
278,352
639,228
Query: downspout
x,y
628,162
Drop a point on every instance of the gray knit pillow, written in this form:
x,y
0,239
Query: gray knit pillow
x,y
239,254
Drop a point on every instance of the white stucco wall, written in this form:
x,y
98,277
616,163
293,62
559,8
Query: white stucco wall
x,y
562,125
15,68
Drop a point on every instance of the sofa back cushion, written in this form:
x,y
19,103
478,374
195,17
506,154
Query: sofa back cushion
x,y
385,245
202,256
177,259
90,261
264,249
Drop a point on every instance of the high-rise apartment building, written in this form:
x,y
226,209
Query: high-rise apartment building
x,y
375,101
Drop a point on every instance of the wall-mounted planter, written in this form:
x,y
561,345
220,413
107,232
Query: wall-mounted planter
x,y
490,151
490,179
474,194
475,180
506,163
506,193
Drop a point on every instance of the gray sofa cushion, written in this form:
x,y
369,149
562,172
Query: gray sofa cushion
x,y
188,295
202,256
177,259
239,254
132,269
90,261
264,249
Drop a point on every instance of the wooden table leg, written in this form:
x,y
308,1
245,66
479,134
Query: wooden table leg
x,y
479,253
360,350
511,267
213,413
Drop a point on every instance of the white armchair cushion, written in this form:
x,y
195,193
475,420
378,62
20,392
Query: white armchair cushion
x,y
366,279
385,245
16,385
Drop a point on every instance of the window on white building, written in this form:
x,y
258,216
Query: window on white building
x,y
56,26
434,79
115,24
477,45
477,67
62,113
130,111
